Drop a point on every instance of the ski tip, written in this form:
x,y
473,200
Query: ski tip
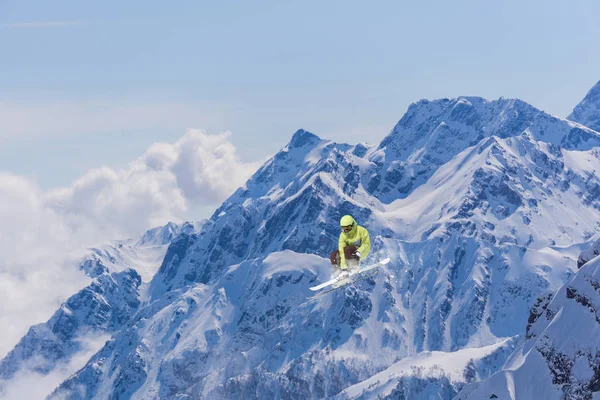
x,y
385,261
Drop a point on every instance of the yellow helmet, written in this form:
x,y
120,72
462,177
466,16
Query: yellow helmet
x,y
347,220
347,223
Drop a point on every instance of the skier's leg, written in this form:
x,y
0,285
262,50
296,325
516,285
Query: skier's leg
x,y
334,257
352,261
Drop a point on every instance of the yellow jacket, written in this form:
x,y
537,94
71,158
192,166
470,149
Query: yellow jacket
x,y
358,237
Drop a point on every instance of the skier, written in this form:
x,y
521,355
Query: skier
x,y
354,245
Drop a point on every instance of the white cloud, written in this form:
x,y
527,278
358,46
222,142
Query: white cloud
x,y
122,202
36,269
42,234
21,387
207,168
160,186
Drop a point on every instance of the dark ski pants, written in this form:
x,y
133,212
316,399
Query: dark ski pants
x,y
351,259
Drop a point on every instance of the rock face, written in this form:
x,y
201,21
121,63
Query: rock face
x,y
589,254
588,111
482,206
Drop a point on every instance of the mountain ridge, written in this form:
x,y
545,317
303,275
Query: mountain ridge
x,y
479,224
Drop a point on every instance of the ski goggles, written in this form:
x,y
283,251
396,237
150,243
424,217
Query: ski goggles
x,y
347,228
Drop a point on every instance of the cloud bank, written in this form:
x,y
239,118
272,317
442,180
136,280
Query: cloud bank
x,y
21,386
37,265
160,186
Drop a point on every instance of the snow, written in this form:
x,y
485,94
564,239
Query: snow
x,y
145,260
429,363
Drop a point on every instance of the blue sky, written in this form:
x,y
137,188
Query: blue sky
x,y
86,84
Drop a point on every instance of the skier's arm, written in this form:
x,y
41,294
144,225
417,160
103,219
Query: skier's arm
x,y
365,245
341,245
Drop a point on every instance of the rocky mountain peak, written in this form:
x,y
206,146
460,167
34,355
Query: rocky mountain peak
x,y
302,138
160,236
587,112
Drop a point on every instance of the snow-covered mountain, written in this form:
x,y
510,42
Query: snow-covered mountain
x,y
98,310
433,132
588,111
483,206
560,358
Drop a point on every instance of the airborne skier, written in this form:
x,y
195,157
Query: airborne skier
x,y
354,245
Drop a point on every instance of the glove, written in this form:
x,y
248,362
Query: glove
x,y
357,255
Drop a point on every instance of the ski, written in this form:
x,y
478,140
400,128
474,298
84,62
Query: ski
x,y
348,281
345,280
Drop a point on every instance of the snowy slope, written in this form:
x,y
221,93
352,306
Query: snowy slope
x,y
183,342
144,255
561,357
588,111
431,373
